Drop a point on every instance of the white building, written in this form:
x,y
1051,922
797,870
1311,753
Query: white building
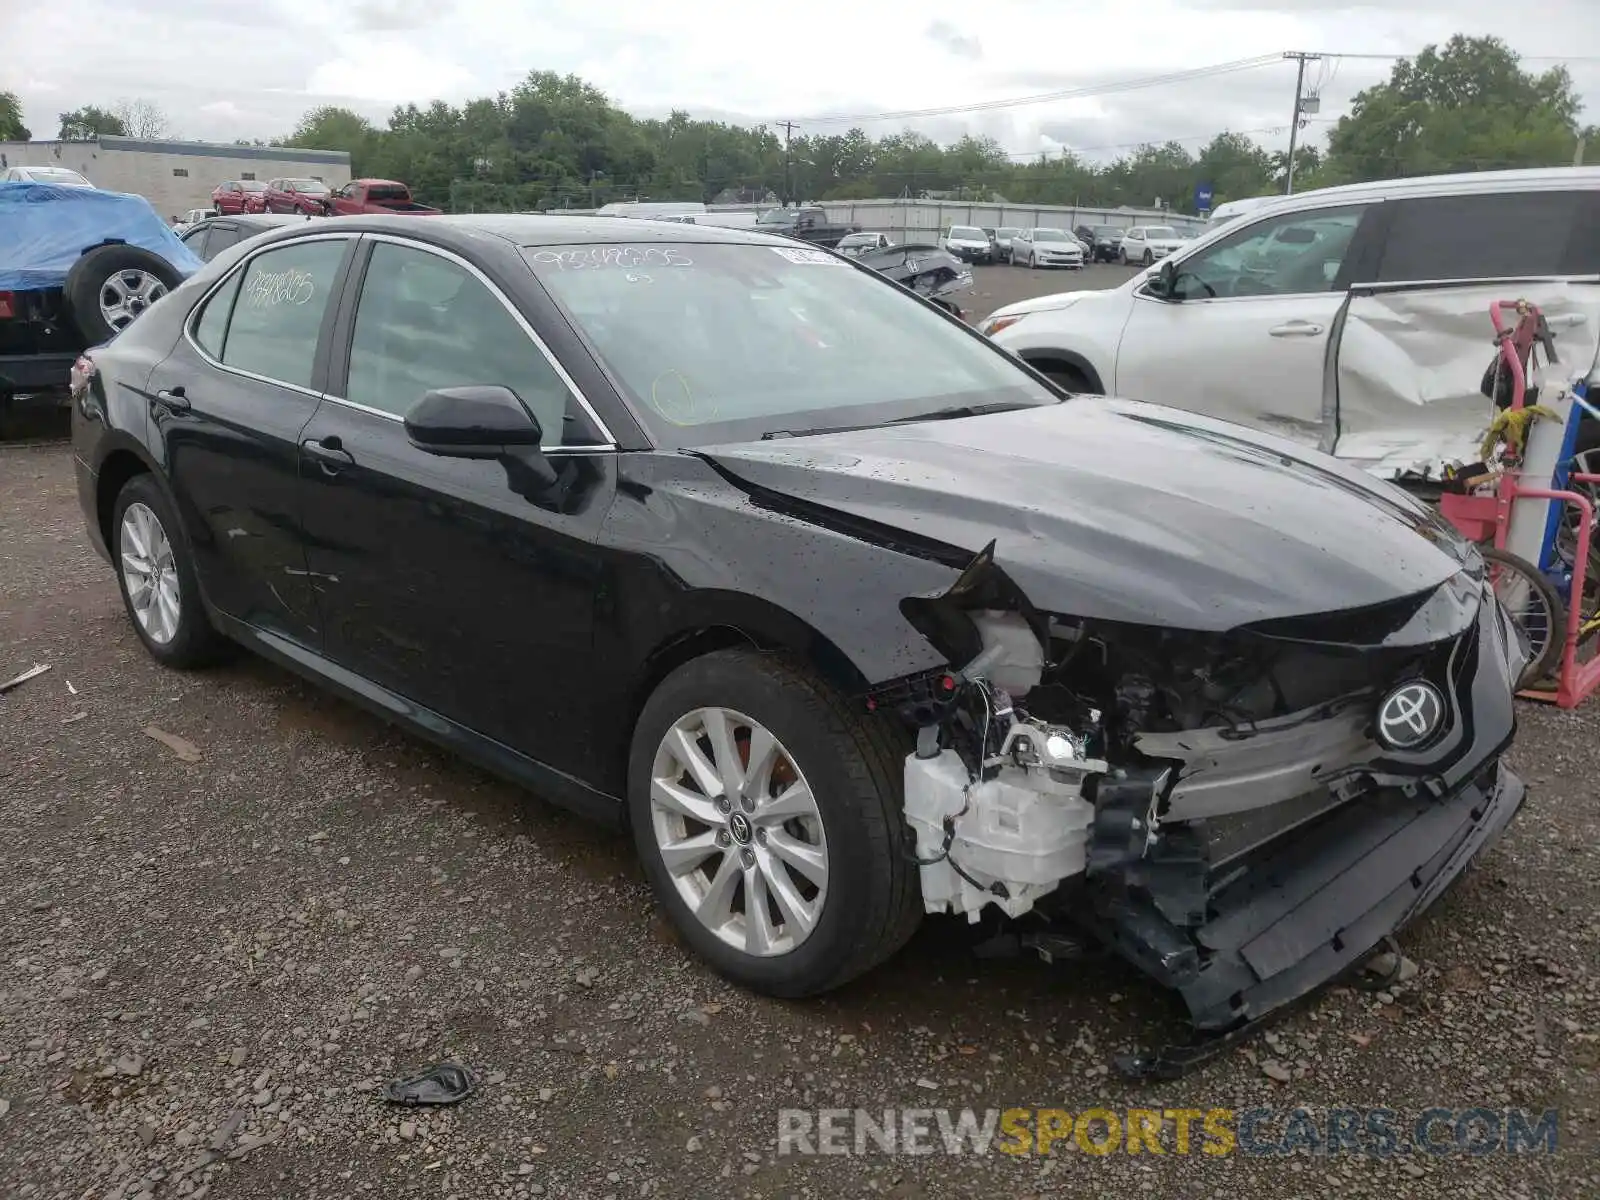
x,y
176,176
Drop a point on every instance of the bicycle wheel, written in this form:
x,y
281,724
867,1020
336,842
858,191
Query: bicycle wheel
x,y
1533,603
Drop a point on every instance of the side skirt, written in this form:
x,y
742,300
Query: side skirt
x,y
556,786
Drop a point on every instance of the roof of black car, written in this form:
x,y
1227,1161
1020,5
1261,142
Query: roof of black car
x,y
536,229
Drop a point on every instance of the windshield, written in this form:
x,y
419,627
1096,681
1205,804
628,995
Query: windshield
x,y
1007,231
722,343
57,175
778,216
253,185
1107,231
313,186
967,233
1049,235
1161,233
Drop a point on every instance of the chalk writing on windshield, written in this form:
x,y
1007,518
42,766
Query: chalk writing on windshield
x,y
291,285
600,258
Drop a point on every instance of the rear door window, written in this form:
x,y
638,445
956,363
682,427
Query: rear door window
x,y
277,318
1495,235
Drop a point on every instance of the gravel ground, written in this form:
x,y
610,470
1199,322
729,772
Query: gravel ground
x,y
215,947
994,287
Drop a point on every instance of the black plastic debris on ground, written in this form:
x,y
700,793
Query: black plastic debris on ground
x,y
442,1083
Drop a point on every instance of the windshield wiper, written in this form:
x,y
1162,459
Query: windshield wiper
x,y
942,414
774,434
966,410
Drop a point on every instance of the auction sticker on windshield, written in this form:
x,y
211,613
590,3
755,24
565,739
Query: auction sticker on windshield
x,y
802,255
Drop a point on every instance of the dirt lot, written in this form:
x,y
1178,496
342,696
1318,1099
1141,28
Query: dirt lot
x,y
233,951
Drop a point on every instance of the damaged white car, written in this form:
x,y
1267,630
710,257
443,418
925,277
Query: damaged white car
x,y
1354,320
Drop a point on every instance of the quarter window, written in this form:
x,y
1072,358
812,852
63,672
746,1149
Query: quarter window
x,y
278,316
212,327
1495,235
1286,255
423,322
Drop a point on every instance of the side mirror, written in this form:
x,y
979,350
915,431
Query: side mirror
x,y
483,422
1167,279
471,422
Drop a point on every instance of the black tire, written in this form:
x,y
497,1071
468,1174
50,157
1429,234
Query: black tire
x,y
1548,645
1122,257
855,770
1148,259
196,643
89,277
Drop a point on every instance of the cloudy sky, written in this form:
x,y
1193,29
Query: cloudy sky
x,y
223,69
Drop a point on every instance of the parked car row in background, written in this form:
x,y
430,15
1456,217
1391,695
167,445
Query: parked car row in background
x,y
312,197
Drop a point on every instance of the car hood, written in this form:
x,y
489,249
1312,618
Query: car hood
x,y
1117,510
1167,243
1057,247
1051,303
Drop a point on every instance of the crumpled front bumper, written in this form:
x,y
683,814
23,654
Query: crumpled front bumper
x,y
1302,916
1242,936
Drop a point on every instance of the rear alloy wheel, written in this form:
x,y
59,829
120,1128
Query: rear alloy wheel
x,y
156,579
768,819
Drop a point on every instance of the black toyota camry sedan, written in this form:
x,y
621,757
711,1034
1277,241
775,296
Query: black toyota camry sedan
x,y
845,611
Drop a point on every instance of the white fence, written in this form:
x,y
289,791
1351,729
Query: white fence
x,y
926,220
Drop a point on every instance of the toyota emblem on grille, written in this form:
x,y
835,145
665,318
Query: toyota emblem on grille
x,y
1410,715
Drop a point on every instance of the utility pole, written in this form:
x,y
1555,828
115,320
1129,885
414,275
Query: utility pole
x,y
788,162
1294,124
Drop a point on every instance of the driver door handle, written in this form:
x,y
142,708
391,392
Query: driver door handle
x,y
1296,329
173,399
329,451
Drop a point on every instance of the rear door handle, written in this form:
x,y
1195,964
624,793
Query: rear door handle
x,y
1296,329
172,399
329,451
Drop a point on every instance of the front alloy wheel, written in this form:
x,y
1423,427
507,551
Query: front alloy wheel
x,y
768,815
739,831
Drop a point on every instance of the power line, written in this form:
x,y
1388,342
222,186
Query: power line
x,y
1078,93
1138,84
1555,58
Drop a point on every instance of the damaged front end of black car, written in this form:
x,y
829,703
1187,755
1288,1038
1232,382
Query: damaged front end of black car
x,y
1243,815
1235,709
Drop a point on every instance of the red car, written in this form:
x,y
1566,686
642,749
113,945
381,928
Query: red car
x,y
233,197
293,196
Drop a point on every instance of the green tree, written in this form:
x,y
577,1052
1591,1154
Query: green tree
x,y
1236,168
11,127
87,123
1467,107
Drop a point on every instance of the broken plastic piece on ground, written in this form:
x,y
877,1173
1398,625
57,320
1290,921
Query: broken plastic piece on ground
x,y
442,1083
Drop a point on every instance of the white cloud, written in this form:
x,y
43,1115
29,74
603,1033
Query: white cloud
x,y
390,70
227,68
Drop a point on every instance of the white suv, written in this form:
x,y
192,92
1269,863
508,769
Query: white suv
x,y
1237,323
